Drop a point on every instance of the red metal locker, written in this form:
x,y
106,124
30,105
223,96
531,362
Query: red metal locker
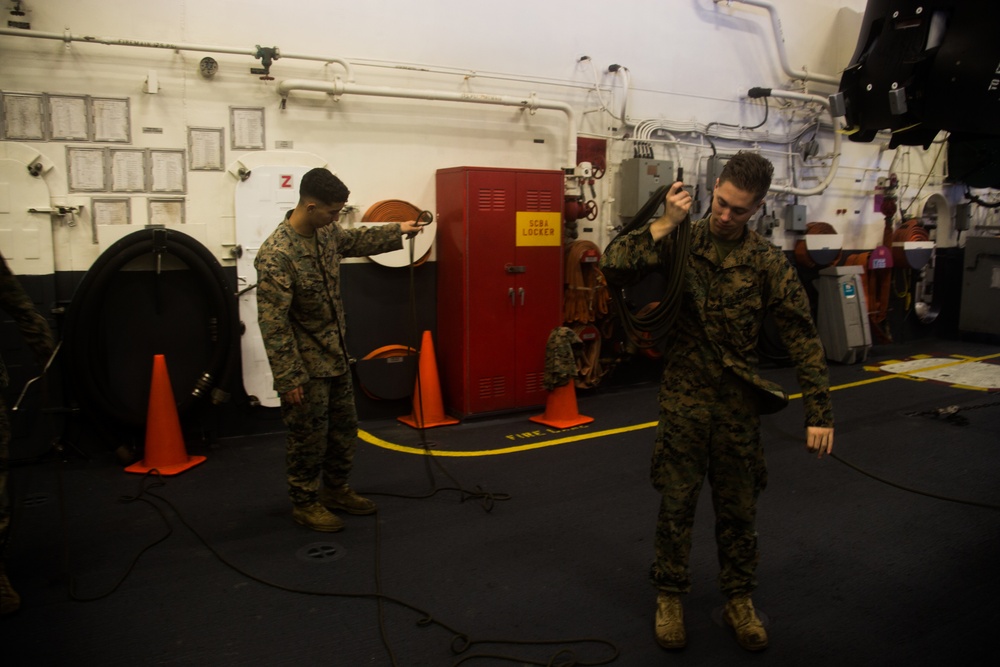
x,y
500,284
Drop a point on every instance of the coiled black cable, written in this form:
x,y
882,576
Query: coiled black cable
x,y
87,366
653,330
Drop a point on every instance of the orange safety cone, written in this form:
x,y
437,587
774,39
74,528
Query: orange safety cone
x,y
428,406
164,450
561,410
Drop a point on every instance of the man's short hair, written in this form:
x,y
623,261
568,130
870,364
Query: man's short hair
x,y
750,172
321,185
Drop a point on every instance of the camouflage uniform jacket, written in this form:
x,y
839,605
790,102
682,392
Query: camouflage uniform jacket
x,y
722,311
560,358
299,307
16,302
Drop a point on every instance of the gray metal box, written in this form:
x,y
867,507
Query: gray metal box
x,y
981,285
842,317
640,177
713,168
795,217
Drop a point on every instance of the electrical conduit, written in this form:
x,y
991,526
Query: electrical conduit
x,y
837,139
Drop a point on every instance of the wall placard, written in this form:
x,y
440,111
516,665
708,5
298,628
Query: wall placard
x,y
85,169
166,211
23,116
111,119
111,210
128,169
167,170
205,147
69,117
246,128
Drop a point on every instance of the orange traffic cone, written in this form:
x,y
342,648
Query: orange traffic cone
x,y
561,410
164,449
428,406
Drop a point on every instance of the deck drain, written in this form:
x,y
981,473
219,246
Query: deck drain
x,y
320,552
34,499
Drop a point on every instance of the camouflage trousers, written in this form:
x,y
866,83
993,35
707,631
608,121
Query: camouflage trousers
x,y
322,437
711,432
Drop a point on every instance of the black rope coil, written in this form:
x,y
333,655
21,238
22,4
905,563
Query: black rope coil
x,y
654,328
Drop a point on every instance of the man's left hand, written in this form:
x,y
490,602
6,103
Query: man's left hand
x,y
819,439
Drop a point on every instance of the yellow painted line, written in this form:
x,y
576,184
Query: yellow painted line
x,y
969,387
378,442
385,444
908,376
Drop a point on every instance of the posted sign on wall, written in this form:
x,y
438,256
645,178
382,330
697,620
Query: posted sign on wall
x,y
538,228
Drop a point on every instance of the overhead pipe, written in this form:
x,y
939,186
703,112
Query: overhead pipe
x,y
779,41
333,88
532,103
818,99
205,48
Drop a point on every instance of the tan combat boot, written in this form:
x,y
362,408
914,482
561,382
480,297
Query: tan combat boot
x,y
344,498
670,631
317,517
742,617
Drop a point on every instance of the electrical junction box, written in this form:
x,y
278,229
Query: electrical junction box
x,y
842,314
713,169
981,286
795,217
640,178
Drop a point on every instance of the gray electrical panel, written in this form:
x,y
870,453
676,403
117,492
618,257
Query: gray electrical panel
x,y
981,285
842,317
795,217
713,169
640,178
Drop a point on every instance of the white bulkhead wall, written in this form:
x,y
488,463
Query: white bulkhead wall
x,y
688,64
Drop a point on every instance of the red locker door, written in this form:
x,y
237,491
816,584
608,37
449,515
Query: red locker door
x,y
492,293
539,287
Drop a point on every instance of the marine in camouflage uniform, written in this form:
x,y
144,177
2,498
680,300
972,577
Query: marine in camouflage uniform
x,y
35,330
301,317
711,394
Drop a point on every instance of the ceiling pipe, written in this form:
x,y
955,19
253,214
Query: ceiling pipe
x,y
532,103
779,40
337,87
67,37
818,99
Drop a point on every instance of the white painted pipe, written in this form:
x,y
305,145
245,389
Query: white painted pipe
x,y
779,40
819,99
205,48
531,103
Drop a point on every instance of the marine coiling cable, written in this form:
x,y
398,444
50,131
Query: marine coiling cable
x,y
653,329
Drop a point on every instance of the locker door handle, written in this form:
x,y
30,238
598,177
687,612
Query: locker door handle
x,y
520,291
510,293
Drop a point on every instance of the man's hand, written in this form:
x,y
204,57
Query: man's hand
x,y
819,439
295,396
677,205
411,228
